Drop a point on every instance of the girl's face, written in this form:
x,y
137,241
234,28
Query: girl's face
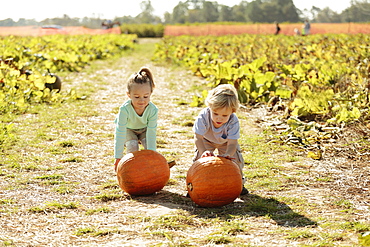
x,y
140,96
220,116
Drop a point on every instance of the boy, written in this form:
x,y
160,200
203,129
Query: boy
x,y
217,127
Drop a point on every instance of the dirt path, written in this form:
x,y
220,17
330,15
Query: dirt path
x,y
94,175
97,213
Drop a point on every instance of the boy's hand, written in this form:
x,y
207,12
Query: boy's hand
x,y
207,154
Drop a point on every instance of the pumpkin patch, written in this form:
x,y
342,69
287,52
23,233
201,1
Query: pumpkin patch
x,y
214,181
142,172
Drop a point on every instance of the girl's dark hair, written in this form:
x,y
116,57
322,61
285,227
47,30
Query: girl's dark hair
x,y
143,76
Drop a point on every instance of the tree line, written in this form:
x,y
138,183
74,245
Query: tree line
x,y
202,11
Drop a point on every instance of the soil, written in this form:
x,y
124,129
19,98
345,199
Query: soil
x,y
129,216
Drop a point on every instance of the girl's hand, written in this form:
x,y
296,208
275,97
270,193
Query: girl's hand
x,y
207,154
116,164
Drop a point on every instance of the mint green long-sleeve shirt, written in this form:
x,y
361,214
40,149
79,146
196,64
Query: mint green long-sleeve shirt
x,y
127,118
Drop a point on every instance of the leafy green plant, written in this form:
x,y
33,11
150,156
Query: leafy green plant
x,y
143,30
301,71
26,63
309,102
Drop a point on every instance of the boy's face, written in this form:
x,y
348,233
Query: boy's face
x,y
140,96
220,116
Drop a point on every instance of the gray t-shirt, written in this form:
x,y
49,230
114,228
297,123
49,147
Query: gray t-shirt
x,y
203,126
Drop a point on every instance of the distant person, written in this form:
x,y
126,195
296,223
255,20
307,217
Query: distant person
x,y
278,29
104,24
306,27
107,24
297,32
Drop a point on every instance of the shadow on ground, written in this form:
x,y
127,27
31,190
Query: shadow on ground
x,y
249,205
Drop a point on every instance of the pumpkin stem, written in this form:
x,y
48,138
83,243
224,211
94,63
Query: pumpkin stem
x,y
171,163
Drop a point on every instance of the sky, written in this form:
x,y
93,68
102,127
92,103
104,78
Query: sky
x,y
42,9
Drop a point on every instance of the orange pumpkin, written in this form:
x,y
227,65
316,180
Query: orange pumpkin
x,y
214,181
143,172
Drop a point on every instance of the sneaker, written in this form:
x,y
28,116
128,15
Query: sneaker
x,y
244,191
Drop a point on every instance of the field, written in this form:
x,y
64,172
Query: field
x,y
286,29
39,31
201,29
58,186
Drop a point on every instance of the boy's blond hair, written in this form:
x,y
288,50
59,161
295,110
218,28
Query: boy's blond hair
x,y
224,95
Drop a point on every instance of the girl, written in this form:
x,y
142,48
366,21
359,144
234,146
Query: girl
x,y
217,127
136,122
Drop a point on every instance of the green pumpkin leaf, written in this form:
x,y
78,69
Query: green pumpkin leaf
x,y
257,63
39,83
284,93
50,79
